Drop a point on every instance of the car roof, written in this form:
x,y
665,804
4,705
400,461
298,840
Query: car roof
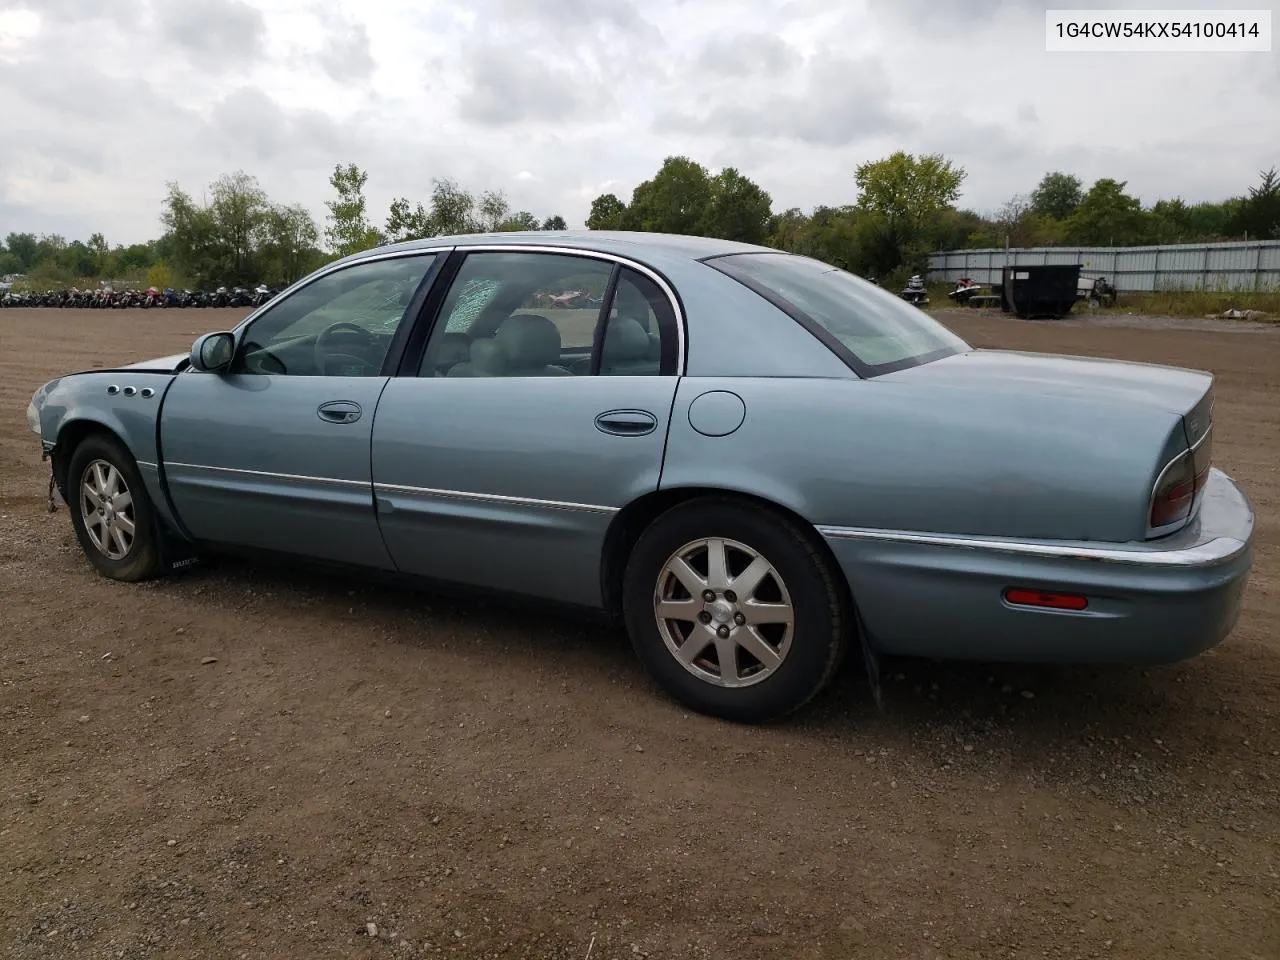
x,y
632,243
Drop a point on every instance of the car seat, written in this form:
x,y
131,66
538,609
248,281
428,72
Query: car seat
x,y
526,345
626,350
453,348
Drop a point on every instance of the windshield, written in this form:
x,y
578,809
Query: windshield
x,y
871,329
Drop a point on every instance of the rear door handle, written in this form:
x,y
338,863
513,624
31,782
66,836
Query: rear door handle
x,y
627,423
339,411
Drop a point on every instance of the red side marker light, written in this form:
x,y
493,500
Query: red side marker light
x,y
1048,601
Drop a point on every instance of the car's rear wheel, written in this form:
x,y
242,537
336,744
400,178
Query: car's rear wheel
x,y
111,511
733,610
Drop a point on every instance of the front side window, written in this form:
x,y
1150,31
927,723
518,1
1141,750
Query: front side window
x,y
871,329
341,324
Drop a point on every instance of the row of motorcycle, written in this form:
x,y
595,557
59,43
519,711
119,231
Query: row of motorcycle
x,y
152,297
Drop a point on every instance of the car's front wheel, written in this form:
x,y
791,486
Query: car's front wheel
x,y
733,610
110,510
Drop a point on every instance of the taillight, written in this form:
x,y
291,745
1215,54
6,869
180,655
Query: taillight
x,y
1180,484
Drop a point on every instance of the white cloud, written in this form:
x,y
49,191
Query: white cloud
x,y
17,28
557,101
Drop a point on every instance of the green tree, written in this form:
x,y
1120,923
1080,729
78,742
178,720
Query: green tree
x,y
1014,221
738,209
238,237
49,248
1168,221
78,260
239,209
786,229
160,275
493,210
1057,195
836,236
965,228
906,196
348,229
139,256
22,247
1019,223
101,254
192,236
1214,221
407,223
607,213
676,200
1259,214
554,223
1107,216
451,209
290,236
523,220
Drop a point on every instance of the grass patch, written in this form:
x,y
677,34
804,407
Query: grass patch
x,y
1197,303
1165,303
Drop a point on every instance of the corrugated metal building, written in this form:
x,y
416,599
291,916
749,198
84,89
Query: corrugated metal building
x,y
1246,265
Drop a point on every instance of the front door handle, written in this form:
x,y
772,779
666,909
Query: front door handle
x,y
339,411
627,423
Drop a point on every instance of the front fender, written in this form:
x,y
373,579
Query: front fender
x,y
125,402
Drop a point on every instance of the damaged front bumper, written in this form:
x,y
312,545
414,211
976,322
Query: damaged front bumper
x,y
53,493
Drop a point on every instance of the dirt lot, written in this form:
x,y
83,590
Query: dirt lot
x,y
480,782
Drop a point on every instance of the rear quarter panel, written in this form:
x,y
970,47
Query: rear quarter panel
x,y
733,331
905,456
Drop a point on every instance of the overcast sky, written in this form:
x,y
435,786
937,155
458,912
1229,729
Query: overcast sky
x,y
557,101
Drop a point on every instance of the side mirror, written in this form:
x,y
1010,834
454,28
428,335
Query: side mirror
x,y
213,352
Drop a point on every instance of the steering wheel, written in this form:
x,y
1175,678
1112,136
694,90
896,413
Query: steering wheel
x,y
324,357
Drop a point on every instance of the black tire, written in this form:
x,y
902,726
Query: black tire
x,y
820,613
142,560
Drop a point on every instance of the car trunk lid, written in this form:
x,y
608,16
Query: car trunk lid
x,y
1180,472
1171,389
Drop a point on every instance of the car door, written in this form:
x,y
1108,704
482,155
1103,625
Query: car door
x,y
539,408
274,453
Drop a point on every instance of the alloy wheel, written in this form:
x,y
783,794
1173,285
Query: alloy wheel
x,y
724,612
106,504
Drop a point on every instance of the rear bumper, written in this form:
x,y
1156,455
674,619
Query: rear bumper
x,y
1153,602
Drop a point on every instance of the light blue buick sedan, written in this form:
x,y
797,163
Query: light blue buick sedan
x,y
753,460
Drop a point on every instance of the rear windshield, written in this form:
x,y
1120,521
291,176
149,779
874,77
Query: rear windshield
x,y
871,329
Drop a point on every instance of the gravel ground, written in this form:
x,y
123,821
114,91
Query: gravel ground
x,y
251,762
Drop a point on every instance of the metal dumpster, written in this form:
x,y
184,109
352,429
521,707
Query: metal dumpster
x,y
1040,291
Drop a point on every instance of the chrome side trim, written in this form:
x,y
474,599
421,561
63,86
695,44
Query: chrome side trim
x,y
1215,551
354,260
145,463
393,488
493,498
636,265
267,475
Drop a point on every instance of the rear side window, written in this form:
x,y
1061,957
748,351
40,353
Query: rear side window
x,y
639,336
873,331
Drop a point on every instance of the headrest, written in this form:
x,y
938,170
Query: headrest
x,y
454,347
488,357
625,339
630,302
529,340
